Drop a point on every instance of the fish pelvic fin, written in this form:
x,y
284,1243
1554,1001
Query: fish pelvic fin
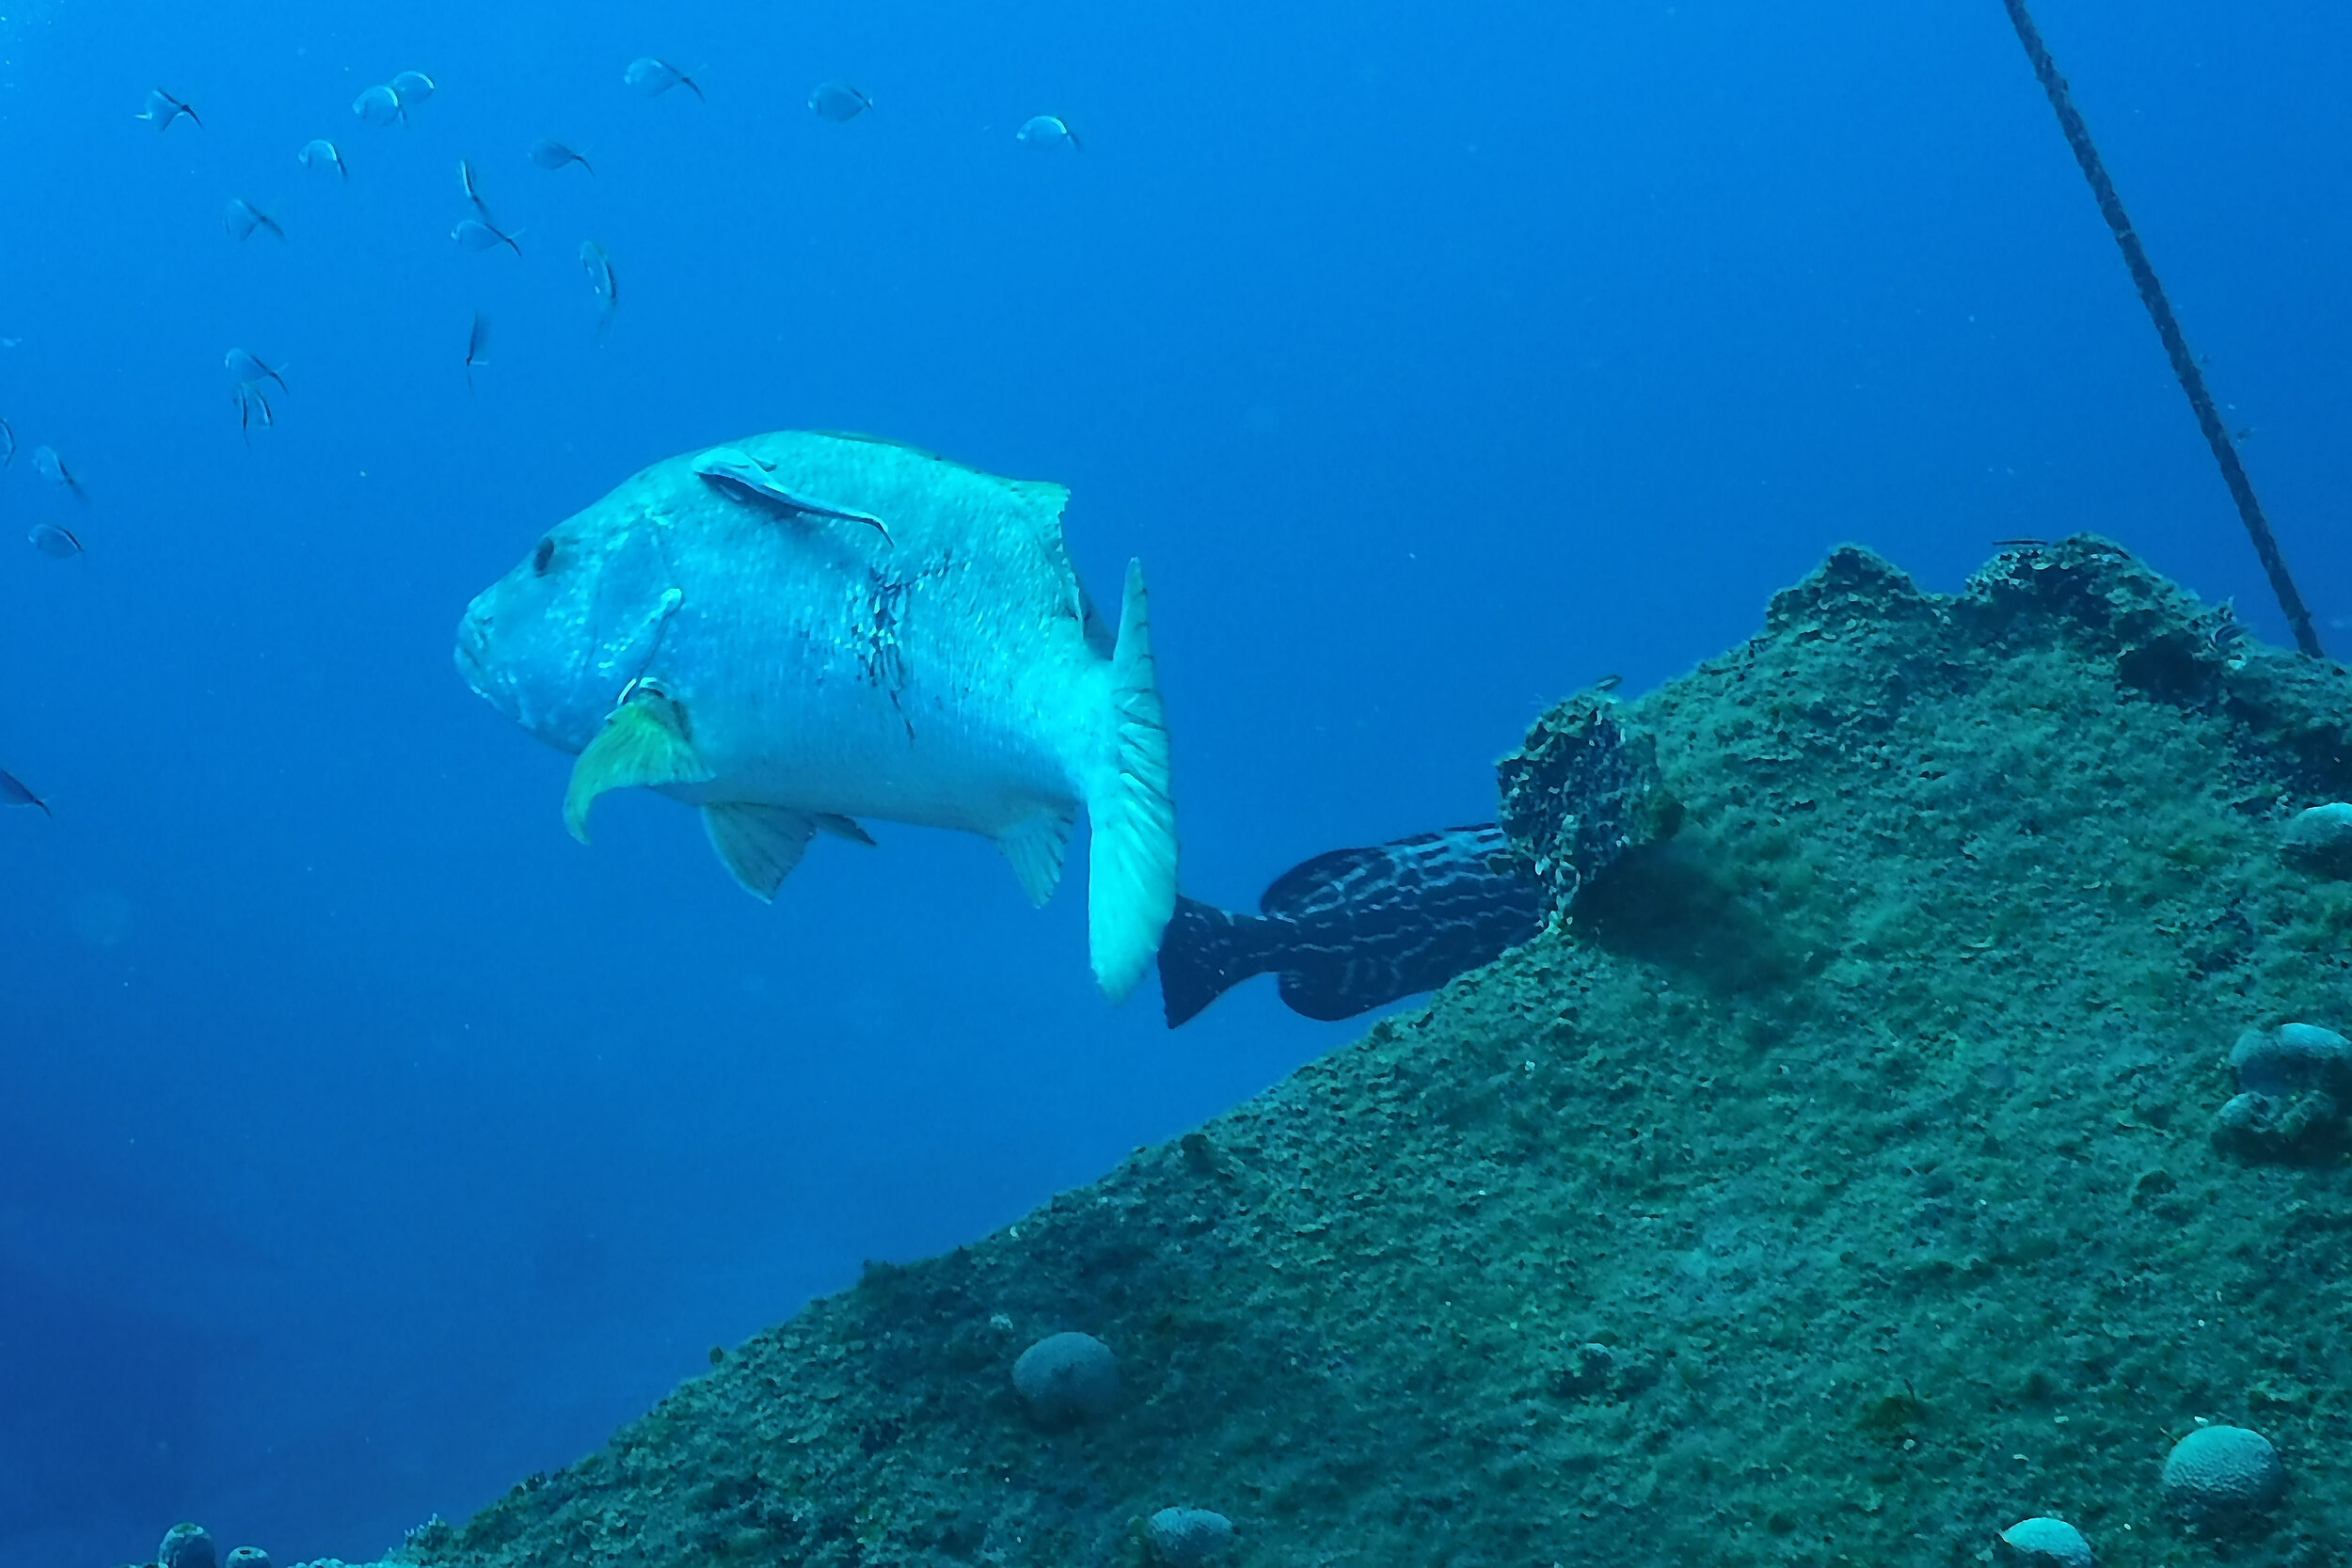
x,y
1130,873
1035,845
643,742
759,844
1207,951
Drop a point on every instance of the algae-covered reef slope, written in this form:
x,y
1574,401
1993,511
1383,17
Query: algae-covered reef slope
x,y
1836,1185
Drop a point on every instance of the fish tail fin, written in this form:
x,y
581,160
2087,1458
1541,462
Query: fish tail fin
x,y
1131,877
1206,952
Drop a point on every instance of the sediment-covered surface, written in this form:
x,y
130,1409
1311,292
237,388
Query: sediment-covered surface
x,y
1837,1186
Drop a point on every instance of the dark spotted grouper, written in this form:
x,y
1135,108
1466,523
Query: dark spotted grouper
x,y
1353,929
799,630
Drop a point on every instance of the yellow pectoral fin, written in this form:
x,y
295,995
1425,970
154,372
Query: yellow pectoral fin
x,y
641,744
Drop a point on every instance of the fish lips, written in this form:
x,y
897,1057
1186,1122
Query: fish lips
x,y
494,679
473,653
496,683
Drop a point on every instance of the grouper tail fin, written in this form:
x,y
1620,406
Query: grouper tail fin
x,y
1208,951
1131,877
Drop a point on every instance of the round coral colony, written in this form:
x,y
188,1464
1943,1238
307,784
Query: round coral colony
x,y
2221,1475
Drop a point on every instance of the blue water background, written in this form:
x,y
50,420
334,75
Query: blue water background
x,y
370,1144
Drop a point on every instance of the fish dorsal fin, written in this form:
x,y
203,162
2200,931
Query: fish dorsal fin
x,y
1311,882
863,438
1101,637
643,742
1035,845
1044,494
760,845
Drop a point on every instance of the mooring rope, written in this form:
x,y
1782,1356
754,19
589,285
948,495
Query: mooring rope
x,y
2167,328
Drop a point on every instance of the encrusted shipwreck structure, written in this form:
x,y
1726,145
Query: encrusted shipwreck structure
x,y
1838,1182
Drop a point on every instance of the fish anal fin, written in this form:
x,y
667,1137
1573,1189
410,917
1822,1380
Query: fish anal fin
x,y
760,845
1035,845
843,827
641,743
1328,1000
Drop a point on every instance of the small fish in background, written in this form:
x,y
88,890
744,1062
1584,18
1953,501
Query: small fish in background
x,y
240,218
650,76
320,153
8,444
162,109
1048,131
838,103
253,405
413,88
245,365
599,266
1354,929
379,105
472,186
550,155
13,792
57,544
477,346
477,235
52,467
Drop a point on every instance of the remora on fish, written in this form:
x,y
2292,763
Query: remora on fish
x,y
787,670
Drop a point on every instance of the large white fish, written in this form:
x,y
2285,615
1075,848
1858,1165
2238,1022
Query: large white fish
x,y
796,630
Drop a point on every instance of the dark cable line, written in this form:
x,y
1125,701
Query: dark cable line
x,y
2168,327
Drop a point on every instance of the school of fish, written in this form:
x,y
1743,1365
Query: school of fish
x,y
387,106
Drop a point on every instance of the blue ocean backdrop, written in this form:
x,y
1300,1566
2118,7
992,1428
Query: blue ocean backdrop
x,y
370,1144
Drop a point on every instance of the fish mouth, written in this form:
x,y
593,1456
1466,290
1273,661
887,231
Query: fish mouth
x,y
472,652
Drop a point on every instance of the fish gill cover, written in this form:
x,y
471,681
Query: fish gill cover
x,y
1838,1184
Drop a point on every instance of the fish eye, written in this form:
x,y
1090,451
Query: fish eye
x,y
542,558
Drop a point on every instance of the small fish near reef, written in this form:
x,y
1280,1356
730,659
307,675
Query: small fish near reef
x,y
1353,929
787,670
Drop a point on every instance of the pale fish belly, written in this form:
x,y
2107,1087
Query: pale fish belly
x,y
913,754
